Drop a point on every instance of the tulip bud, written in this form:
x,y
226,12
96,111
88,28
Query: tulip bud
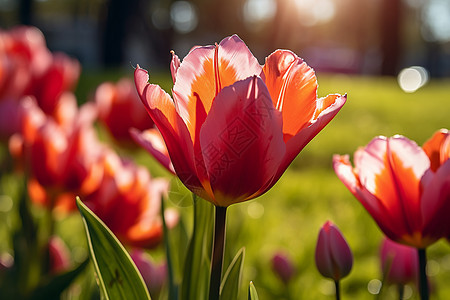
x,y
283,267
59,255
154,275
398,262
334,258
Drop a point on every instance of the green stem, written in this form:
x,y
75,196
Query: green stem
x,y
401,291
423,280
171,285
338,290
217,255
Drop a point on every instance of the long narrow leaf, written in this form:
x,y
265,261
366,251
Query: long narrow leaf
x,y
252,294
196,272
117,275
229,289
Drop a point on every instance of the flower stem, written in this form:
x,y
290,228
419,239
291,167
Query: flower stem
x,y
423,280
338,290
401,291
217,255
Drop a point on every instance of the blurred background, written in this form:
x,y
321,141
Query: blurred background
x,y
380,52
376,37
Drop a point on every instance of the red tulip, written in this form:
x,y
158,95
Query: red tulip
x,y
398,262
126,187
394,180
28,68
333,256
63,157
116,101
233,127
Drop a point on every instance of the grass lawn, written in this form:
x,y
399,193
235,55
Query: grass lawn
x,y
289,216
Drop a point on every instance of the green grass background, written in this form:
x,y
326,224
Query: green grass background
x,y
289,216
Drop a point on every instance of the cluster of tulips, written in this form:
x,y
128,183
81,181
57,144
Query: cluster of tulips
x,y
228,132
54,144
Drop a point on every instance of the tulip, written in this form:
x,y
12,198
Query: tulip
x,y
406,192
116,100
59,255
333,255
394,181
128,187
28,68
154,275
63,157
398,262
233,127
283,267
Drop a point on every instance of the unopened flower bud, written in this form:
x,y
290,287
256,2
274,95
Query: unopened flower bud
x,y
334,258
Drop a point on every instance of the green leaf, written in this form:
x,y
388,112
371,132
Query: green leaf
x,y
229,288
195,284
252,294
117,275
53,287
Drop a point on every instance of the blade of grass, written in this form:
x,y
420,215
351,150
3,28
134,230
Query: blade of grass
x,y
195,284
229,288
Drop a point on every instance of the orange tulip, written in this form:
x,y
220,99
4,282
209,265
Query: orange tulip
x,y
233,127
406,194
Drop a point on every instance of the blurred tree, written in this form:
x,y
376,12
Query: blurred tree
x,y
25,12
390,19
118,13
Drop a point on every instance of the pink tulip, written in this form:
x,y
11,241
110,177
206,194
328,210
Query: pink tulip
x,y
334,258
406,194
59,255
283,267
398,262
154,275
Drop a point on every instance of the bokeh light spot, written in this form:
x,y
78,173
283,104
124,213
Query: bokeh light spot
x,y
412,78
183,16
256,11
6,203
374,286
255,210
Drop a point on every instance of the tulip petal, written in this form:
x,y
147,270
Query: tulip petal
x,y
293,87
152,141
241,141
204,72
323,259
175,133
345,172
435,203
305,135
340,251
433,146
390,169
174,65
